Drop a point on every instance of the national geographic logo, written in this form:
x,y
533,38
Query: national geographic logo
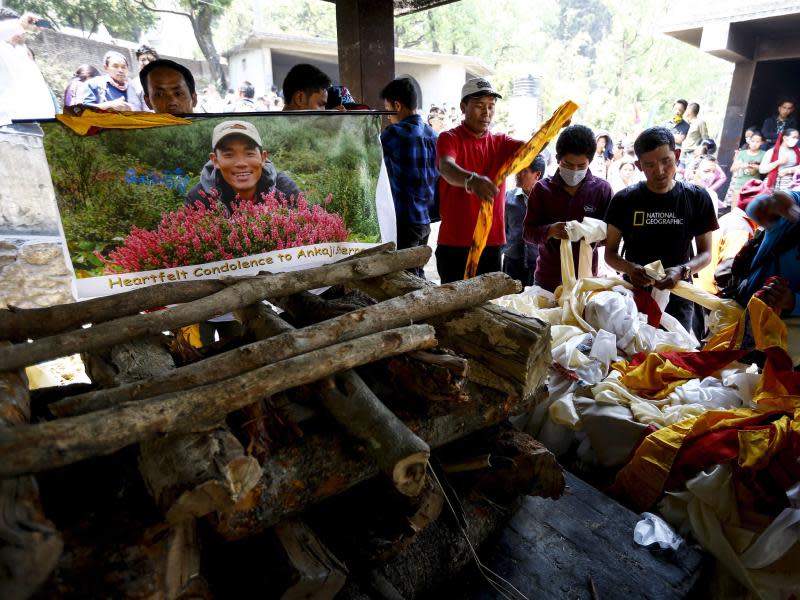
x,y
641,218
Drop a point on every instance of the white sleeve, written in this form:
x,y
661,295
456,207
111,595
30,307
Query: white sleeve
x,y
10,28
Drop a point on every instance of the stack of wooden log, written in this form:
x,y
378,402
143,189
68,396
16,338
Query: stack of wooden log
x,y
182,472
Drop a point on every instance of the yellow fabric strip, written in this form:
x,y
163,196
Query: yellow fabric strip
x,y
118,120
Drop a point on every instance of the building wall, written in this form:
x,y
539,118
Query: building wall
x,y
254,66
53,48
440,83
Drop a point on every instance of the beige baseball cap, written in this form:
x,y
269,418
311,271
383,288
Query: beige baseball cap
x,y
227,128
478,85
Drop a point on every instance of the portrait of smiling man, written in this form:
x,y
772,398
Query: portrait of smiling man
x,y
238,167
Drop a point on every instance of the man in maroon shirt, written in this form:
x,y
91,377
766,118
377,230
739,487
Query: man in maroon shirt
x,y
569,195
469,156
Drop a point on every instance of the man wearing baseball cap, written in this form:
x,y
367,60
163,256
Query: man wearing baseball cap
x,y
469,155
238,167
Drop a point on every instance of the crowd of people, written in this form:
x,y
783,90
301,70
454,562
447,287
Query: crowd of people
x,y
658,192
658,195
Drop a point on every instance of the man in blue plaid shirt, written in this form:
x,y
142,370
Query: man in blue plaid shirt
x,y
409,150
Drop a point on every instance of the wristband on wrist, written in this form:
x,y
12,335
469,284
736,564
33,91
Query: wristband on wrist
x,y
467,180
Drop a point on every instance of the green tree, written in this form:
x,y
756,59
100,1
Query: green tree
x,y
201,14
121,17
587,21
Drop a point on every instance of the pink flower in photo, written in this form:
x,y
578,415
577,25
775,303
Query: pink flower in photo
x,y
197,233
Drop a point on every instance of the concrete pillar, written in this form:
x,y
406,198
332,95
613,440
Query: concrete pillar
x,y
734,124
365,34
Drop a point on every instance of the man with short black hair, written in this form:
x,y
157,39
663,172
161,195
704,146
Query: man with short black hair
x,y
658,219
519,256
245,103
697,132
571,194
775,125
305,88
409,151
469,156
168,87
238,168
677,126
144,56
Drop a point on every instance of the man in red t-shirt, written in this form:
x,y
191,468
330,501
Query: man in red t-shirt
x,y
469,156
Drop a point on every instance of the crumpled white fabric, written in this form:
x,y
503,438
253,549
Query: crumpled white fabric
x,y
652,529
779,537
710,393
707,509
586,232
615,311
691,399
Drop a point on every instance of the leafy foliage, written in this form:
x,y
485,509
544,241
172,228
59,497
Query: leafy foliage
x,y
123,18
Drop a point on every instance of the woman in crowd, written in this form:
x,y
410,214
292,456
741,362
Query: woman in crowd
x,y
748,134
110,91
745,165
780,163
602,156
623,174
711,180
81,74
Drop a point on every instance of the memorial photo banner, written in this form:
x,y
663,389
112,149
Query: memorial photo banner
x,y
282,191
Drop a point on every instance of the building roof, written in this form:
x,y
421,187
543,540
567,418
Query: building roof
x,y
406,7
755,16
314,47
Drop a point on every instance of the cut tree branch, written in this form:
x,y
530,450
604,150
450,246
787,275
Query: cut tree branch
x,y
413,307
242,293
45,446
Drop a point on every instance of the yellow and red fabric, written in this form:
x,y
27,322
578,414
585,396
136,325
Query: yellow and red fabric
x,y
656,375
751,437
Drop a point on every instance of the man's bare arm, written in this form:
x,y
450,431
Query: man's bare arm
x,y
481,186
634,272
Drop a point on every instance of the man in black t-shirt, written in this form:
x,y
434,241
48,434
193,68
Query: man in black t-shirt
x,y
677,126
658,219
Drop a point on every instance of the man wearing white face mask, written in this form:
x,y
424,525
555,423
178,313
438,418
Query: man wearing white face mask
x,y
569,195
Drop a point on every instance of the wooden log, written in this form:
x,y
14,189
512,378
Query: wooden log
x,y
34,448
430,382
317,573
192,475
400,454
129,361
510,463
242,293
506,351
412,307
324,464
30,545
21,324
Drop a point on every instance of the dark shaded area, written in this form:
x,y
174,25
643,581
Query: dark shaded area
x,y
552,549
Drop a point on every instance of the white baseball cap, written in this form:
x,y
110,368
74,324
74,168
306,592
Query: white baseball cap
x,y
227,128
478,85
